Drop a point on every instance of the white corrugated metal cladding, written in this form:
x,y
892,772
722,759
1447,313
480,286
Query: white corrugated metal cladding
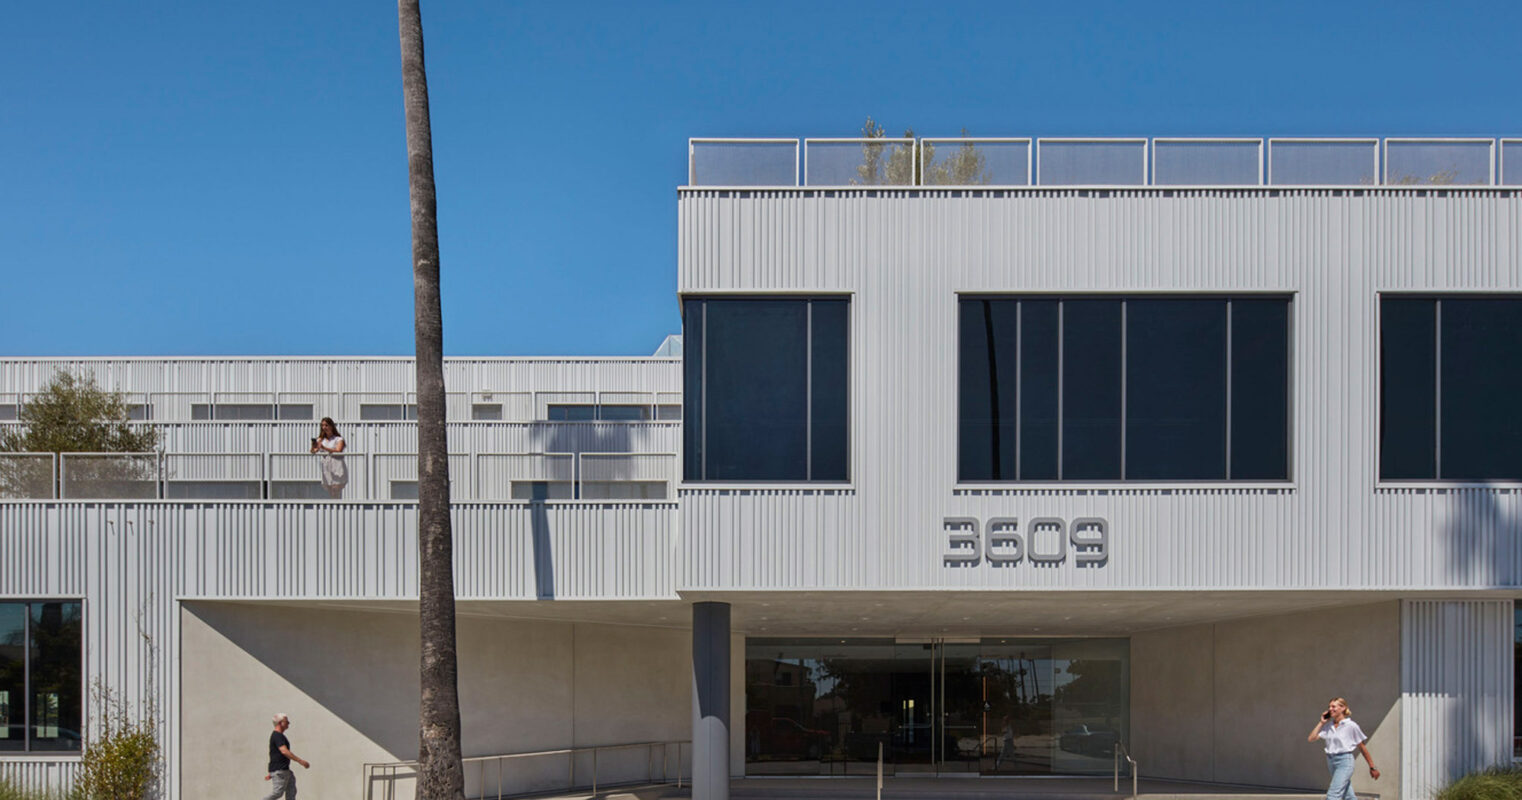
x,y
905,255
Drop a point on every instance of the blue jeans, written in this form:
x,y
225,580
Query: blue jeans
x,y
1341,767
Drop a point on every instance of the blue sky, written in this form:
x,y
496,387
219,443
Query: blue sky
x,y
230,178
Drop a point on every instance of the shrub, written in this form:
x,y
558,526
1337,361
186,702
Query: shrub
x,y
1496,783
10,791
121,760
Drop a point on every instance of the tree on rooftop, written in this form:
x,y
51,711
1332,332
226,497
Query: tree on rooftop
x,y
893,164
441,774
73,414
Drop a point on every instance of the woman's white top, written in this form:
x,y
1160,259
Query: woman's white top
x,y
1343,737
334,471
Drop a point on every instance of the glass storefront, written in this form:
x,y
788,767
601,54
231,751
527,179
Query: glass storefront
x,y
995,706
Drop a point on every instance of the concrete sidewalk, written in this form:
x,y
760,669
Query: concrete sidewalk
x,y
973,788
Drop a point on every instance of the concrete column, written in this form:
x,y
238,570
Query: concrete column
x,y
710,701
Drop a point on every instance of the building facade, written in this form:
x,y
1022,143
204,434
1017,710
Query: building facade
x,y
985,465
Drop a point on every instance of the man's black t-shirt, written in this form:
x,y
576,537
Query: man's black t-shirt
x,y
278,761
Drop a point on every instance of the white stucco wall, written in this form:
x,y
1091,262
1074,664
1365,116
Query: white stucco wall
x,y
349,681
1233,701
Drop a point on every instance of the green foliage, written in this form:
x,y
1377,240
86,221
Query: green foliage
x,y
10,791
73,414
885,164
1496,783
1446,177
122,759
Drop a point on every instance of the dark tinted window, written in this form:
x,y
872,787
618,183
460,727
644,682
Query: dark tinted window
x,y
41,648
766,389
1187,388
1259,389
387,412
1408,390
1175,390
1482,389
988,327
830,380
1451,373
1040,380
12,676
623,413
693,452
1091,381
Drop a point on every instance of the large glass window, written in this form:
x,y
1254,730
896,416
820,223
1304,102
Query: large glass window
x,y
1135,388
40,676
991,706
766,389
1450,373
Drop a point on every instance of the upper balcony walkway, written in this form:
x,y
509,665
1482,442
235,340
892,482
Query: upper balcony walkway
x,y
1106,162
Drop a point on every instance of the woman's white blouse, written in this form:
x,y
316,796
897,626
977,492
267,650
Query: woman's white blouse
x,y
1344,737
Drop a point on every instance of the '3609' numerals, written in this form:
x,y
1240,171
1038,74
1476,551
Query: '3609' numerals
x,y
1044,541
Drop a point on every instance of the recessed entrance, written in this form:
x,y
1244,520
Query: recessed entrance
x,y
992,706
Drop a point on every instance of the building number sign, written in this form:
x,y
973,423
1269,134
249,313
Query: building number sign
x,y
1042,542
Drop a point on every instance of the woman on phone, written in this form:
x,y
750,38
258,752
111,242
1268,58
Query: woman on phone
x,y
1344,740
335,475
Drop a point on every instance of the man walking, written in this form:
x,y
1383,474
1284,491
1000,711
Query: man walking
x,y
280,762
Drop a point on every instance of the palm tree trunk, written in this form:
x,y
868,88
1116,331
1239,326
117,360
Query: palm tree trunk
x,y
441,774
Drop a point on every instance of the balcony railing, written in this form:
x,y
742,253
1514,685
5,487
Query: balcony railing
x,y
299,476
1105,162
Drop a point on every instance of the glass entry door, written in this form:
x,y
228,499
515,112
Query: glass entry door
x,y
935,706
939,725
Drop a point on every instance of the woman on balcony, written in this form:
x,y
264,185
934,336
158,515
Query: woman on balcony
x,y
335,475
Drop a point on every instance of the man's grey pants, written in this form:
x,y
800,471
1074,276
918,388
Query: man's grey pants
x,y
282,784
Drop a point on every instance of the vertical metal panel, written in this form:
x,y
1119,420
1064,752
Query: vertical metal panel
x,y
184,381
130,563
904,255
40,775
1456,690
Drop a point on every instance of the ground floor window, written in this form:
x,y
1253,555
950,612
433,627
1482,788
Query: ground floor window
x,y
41,677
1516,741
981,706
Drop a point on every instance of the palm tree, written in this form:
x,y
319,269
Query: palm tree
x,y
441,775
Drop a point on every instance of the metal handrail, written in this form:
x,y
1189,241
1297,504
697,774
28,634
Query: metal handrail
x,y
1495,171
369,769
273,466
1119,750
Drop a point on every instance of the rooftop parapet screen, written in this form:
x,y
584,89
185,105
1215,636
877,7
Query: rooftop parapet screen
x,y
975,162
1091,162
1100,162
1323,162
1452,162
742,162
1510,172
1207,162
859,162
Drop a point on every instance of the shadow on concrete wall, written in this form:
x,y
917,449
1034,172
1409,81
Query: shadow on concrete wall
x,y
373,688
1480,531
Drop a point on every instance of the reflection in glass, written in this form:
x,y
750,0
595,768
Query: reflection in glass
x,y
56,680
766,386
1091,389
1408,396
1187,388
1176,390
40,677
998,706
12,677
1481,381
